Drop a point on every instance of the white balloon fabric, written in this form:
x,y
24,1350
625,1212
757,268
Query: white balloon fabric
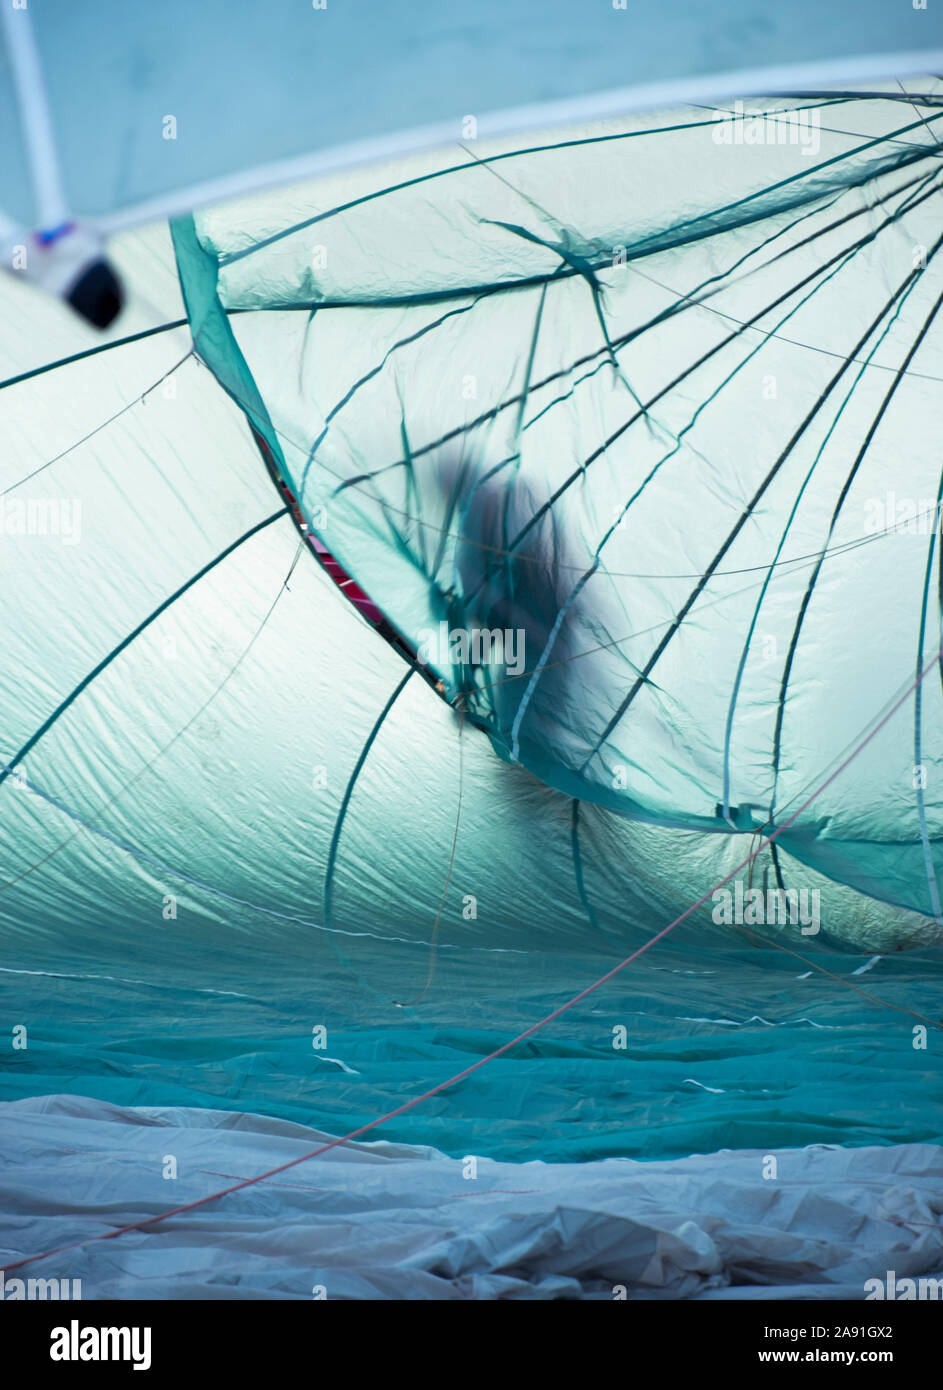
x,y
659,393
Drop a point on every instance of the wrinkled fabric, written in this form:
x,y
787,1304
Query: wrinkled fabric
x,y
384,1220
682,448
233,819
194,718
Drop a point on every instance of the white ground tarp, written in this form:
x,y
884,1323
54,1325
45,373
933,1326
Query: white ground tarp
x,y
385,1220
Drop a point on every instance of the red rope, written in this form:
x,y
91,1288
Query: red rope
x,y
505,1047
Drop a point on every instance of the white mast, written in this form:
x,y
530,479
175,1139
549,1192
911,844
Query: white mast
x,y
51,206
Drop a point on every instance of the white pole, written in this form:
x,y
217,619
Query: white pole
x,y
51,207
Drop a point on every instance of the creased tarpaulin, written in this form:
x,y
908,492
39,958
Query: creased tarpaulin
x,y
387,1220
